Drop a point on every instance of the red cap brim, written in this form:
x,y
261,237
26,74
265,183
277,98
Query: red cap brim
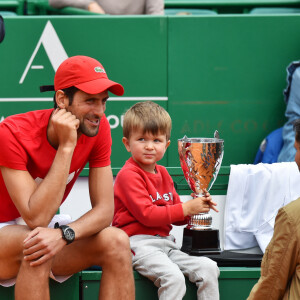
x,y
100,85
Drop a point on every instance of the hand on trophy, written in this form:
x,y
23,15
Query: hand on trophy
x,y
212,205
198,205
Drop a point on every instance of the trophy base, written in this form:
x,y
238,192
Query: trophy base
x,y
201,242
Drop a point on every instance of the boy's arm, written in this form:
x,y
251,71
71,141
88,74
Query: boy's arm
x,y
135,197
178,200
197,205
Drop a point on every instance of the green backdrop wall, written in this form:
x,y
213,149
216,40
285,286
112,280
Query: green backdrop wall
x,y
223,72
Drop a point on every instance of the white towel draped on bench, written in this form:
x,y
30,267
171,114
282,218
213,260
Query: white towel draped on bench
x,y
254,195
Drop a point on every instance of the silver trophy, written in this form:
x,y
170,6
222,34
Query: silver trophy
x,y
200,160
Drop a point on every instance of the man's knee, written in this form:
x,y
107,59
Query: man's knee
x,y
117,245
119,239
115,238
41,271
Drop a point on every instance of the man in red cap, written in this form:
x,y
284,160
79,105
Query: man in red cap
x,y
41,155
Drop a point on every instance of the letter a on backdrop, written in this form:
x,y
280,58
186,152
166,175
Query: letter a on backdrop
x,y
53,47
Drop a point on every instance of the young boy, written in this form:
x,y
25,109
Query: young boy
x,y
146,206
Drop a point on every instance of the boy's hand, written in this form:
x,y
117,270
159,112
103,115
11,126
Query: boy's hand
x,y
212,205
199,205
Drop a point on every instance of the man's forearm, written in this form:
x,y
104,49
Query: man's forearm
x,y
46,199
92,222
102,200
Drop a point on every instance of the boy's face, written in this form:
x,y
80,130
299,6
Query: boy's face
x,y
146,149
297,156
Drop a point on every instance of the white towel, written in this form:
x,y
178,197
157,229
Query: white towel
x,y
254,195
62,219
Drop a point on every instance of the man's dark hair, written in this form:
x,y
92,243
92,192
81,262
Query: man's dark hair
x,y
296,126
70,92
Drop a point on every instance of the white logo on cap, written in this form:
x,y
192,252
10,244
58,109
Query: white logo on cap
x,y
99,70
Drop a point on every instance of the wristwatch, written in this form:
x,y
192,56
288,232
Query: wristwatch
x,y
68,233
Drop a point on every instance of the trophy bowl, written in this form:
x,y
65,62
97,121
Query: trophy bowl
x,y
200,160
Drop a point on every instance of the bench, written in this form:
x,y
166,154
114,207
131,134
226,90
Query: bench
x,y
235,283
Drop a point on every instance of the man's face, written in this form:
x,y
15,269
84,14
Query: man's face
x,y
88,109
297,156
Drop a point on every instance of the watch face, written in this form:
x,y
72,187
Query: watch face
x,y
69,234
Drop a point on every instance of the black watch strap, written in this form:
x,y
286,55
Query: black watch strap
x,y
68,233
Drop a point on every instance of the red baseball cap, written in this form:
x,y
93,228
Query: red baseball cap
x,y
85,73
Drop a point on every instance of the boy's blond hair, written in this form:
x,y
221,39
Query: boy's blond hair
x,y
148,117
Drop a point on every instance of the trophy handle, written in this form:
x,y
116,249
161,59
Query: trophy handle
x,y
216,134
